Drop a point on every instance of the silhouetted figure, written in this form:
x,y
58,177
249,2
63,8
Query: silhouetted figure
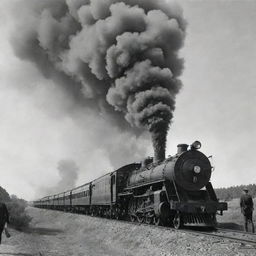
x,y
246,204
4,217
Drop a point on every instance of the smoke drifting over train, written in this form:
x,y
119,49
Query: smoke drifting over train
x,y
119,57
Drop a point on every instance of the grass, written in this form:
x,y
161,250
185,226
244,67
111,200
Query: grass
x,y
233,218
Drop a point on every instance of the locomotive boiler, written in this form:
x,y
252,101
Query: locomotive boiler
x,y
176,191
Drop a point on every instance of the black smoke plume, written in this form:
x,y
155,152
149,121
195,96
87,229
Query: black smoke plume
x,y
119,57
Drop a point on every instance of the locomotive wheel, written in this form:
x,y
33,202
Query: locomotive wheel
x,y
177,221
140,219
117,217
148,220
214,222
157,221
132,218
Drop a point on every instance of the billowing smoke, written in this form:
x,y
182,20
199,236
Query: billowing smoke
x,y
68,171
68,175
118,57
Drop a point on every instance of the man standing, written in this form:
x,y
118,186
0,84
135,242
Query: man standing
x,y
246,204
4,217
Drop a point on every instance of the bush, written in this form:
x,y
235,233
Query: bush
x,y
18,217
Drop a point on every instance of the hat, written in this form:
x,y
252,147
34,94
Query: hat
x,y
245,189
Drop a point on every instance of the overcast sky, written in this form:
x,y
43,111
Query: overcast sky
x,y
216,106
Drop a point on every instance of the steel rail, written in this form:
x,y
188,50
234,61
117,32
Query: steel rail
x,y
236,231
236,239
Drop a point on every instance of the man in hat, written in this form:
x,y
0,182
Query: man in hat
x,y
246,204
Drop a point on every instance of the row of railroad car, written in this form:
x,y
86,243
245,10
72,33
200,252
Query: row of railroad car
x,y
99,197
176,190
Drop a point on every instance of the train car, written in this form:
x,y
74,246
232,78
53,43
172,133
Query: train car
x,y
46,202
50,202
106,193
55,202
41,203
60,203
67,200
81,198
176,191
101,196
37,203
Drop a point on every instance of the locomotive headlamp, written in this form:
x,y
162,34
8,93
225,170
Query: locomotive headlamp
x,y
196,145
197,169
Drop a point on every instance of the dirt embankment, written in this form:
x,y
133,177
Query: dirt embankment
x,y
54,233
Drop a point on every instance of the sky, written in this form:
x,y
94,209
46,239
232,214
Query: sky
x,y
41,125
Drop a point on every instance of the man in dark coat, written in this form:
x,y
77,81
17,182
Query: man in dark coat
x,y
4,217
246,204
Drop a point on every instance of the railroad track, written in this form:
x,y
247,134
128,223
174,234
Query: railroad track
x,y
242,236
232,235
236,231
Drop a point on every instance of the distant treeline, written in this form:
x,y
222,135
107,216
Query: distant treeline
x,y
234,192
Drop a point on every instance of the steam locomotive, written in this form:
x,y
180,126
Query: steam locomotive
x,y
176,191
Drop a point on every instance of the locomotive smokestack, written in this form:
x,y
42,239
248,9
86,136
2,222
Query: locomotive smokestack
x,y
159,156
159,145
181,148
147,161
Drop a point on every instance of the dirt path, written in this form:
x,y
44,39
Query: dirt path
x,y
55,233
